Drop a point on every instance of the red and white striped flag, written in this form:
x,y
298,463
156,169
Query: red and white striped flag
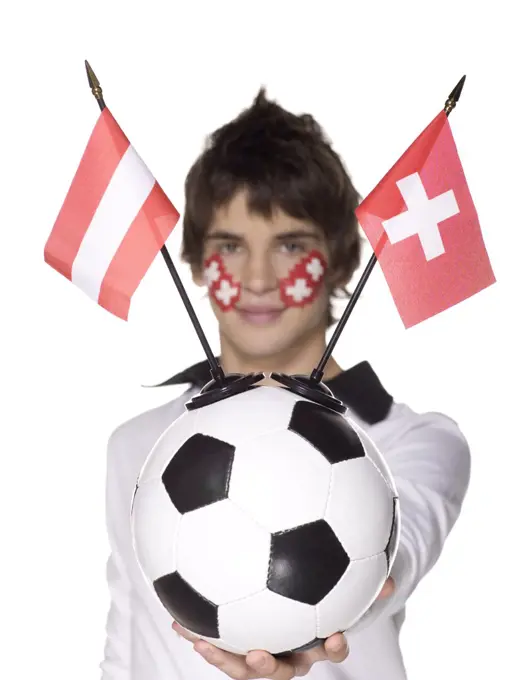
x,y
113,222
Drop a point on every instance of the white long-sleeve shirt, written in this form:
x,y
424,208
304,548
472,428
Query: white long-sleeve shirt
x,y
430,461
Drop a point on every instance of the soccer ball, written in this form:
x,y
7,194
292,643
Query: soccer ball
x,y
265,521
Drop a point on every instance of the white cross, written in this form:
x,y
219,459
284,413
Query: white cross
x,y
212,273
422,217
299,290
226,292
315,269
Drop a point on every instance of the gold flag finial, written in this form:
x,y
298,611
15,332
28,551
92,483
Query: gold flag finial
x,y
95,85
454,96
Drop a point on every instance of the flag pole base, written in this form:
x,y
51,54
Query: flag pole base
x,y
308,388
231,384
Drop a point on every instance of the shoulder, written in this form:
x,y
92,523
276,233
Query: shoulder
x,y
130,442
388,420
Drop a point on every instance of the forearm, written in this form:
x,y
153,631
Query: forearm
x,y
427,520
431,470
117,650
116,664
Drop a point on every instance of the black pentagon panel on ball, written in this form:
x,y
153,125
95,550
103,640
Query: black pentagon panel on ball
x,y
329,432
306,562
390,550
187,606
199,473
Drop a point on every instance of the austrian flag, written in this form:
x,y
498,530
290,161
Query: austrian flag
x,y
113,222
423,226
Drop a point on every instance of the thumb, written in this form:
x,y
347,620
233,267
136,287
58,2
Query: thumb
x,y
388,589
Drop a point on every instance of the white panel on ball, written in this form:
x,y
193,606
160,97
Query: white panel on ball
x,y
154,541
167,446
248,414
281,480
360,508
222,553
352,595
267,621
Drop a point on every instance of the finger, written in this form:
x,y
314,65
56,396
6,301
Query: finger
x,y
183,632
302,669
303,661
231,664
388,589
336,648
267,666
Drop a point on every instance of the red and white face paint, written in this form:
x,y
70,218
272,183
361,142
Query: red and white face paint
x,y
302,284
223,289
299,288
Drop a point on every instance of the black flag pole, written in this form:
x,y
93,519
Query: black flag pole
x,y
310,386
221,385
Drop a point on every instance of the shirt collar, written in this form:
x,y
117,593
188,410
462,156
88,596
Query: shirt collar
x,y
358,387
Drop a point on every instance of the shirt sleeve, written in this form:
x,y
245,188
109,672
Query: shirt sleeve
x,y
430,462
116,663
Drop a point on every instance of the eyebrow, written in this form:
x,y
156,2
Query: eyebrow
x,y
223,235
285,236
297,233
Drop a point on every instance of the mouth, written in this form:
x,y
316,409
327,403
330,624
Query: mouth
x,y
260,316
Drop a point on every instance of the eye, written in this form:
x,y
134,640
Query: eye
x,y
228,247
292,247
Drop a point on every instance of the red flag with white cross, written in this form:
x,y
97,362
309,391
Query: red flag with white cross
x,y
423,227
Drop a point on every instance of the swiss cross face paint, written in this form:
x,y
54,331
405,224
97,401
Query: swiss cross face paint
x,y
299,288
302,284
223,289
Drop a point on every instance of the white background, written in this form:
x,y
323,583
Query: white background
x,y
374,76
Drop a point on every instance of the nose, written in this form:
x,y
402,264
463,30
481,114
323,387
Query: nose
x,y
259,274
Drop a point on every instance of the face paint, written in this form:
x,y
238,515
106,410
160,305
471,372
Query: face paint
x,y
221,286
299,288
302,284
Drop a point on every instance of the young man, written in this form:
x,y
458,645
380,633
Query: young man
x,y
270,229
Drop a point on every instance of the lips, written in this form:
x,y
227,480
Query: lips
x,y
260,315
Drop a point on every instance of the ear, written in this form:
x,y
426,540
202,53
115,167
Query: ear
x,y
336,279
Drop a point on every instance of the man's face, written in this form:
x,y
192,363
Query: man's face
x,y
273,311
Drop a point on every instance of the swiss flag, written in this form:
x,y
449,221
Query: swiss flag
x,y
113,222
423,226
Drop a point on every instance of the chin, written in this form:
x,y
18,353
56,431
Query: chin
x,y
258,348
268,340
266,344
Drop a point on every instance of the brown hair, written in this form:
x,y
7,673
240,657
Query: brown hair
x,y
283,160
